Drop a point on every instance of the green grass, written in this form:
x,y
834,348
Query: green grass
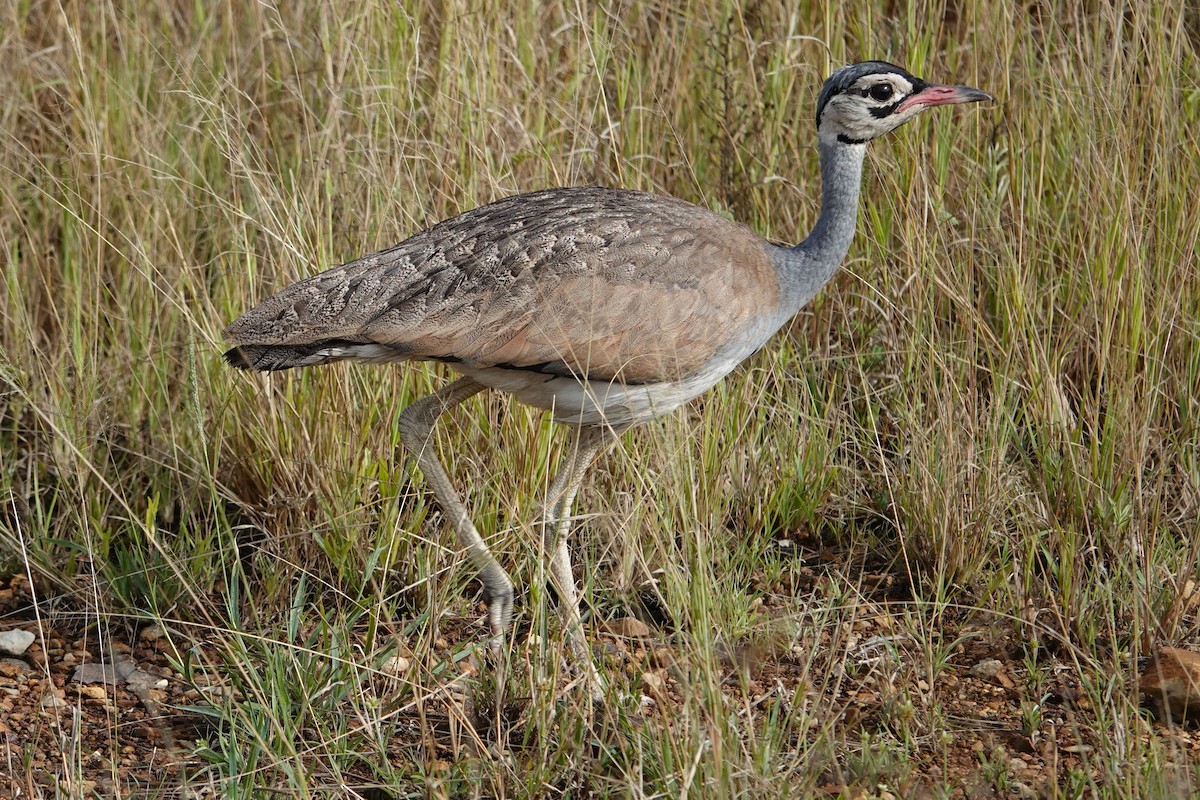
x,y
985,430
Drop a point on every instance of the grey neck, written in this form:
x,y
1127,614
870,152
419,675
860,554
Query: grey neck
x,y
808,266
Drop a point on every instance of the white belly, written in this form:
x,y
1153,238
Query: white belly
x,y
577,401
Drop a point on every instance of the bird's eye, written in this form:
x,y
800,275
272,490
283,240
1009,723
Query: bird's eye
x,y
880,91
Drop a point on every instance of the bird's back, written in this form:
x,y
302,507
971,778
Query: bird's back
x,y
595,283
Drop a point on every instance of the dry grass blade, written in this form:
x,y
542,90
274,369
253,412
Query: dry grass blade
x,y
917,546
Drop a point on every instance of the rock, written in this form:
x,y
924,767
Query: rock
x,y
92,692
987,669
12,667
92,672
140,680
662,657
15,642
54,700
152,633
628,627
396,665
655,683
121,670
1022,790
611,651
1172,680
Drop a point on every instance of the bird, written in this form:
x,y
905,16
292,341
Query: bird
x,y
606,307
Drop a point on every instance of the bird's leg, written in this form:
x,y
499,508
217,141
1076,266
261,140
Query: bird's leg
x,y
551,512
556,525
416,431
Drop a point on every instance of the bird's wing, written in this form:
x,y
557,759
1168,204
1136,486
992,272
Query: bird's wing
x,y
597,283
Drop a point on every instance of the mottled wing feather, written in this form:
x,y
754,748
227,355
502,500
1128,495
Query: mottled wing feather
x,y
598,283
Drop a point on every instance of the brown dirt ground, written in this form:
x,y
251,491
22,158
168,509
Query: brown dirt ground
x,y
121,738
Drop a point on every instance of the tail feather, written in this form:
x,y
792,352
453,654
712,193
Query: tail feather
x,y
237,358
273,357
268,358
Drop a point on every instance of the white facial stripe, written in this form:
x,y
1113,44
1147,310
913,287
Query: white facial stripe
x,y
900,86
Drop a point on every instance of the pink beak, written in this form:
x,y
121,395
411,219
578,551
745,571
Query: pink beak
x,y
936,94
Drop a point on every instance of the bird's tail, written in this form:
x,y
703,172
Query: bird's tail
x,y
272,357
268,358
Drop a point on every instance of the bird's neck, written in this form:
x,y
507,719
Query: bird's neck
x,y
811,264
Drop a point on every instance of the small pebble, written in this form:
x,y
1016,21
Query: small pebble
x,y
92,692
662,657
15,642
654,683
152,633
12,667
629,628
396,665
1022,790
988,668
53,700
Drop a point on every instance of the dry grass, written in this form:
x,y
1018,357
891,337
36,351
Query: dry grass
x,y
992,413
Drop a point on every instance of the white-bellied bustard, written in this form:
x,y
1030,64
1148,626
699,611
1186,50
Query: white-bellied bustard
x,y
606,307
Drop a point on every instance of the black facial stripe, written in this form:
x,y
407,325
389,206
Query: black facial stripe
x,y
883,111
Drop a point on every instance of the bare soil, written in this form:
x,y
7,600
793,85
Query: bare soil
x,y
104,732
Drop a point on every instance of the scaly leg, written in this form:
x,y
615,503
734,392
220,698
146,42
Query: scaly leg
x,y
416,431
556,525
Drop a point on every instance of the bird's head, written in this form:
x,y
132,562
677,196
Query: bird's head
x,y
862,101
